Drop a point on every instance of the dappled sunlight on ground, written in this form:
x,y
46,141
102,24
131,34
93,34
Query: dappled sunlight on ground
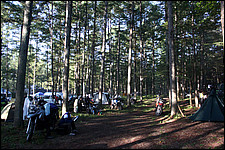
x,y
140,130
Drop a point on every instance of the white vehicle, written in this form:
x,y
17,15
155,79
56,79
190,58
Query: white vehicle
x,y
48,97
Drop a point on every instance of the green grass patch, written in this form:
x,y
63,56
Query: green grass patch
x,y
14,138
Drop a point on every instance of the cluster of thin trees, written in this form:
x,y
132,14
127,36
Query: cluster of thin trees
x,y
119,47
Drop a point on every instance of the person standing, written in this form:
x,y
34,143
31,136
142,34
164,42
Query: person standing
x,y
201,97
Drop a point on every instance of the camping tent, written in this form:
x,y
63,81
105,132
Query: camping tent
x,y
104,98
7,113
211,110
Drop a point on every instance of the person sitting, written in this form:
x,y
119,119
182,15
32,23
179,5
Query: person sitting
x,y
67,123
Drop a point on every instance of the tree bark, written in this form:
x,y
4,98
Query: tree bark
x,y
141,53
52,52
35,65
93,57
195,61
66,55
171,60
222,24
110,61
103,56
135,66
118,63
130,58
18,114
83,57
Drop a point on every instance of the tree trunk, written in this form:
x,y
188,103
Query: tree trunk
x,y
52,52
194,67
135,66
130,58
171,60
222,23
167,54
83,57
75,58
141,53
153,65
93,49
103,56
66,55
110,61
190,79
35,65
118,64
18,114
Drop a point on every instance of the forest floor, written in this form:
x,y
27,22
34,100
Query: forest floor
x,y
136,127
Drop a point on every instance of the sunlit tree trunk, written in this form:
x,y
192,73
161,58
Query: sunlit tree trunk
x,y
52,52
111,61
171,60
103,55
66,55
130,58
35,65
83,57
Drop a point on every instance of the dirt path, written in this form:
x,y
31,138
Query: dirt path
x,y
138,130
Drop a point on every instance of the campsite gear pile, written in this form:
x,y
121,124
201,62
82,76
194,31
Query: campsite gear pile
x,y
93,108
116,103
43,115
86,104
159,106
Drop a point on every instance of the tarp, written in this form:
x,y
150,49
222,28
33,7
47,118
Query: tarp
x,y
212,110
7,113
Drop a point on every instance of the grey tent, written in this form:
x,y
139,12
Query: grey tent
x,y
212,110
